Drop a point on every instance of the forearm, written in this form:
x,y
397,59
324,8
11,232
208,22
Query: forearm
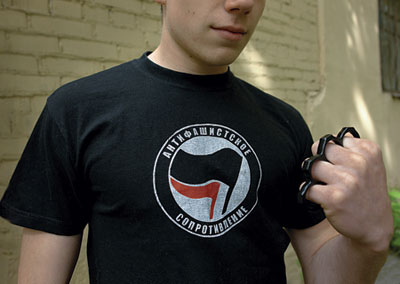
x,y
343,261
47,258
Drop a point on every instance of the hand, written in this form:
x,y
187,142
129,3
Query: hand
x,y
354,197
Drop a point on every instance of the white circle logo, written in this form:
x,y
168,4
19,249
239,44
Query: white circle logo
x,y
206,179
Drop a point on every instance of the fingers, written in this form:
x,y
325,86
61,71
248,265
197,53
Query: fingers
x,y
326,195
365,148
342,164
318,194
355,161
321,171
345,132
338,155
334,182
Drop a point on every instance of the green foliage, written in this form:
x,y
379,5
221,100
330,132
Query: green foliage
x,y
394,195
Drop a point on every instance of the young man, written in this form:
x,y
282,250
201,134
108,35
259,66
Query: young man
x,y
186,174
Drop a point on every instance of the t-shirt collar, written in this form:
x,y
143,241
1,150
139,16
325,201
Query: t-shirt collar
x,y
185,80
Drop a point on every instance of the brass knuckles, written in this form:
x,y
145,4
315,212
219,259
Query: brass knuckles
x,y
320,156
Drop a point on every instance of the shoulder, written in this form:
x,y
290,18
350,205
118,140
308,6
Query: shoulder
x,y
269,103
289,119
93,87
92,99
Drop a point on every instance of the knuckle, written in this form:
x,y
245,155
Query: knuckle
x,y
360,163
349,180
315,169
376,151
335,198
314,147
371,149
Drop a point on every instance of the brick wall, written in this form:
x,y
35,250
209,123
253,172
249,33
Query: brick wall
x,y
47,43
283,57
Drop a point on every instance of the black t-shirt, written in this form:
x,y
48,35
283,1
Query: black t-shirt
x,y
181,178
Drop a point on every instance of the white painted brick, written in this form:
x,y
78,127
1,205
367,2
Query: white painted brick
x,y
26,85
296,74
152,40
289,10
18,63
121,19
308,46
6,3
67,79
95,14
130,37
60,27
66,9
267,24
11,148
273,5
311,76
3,43
68,67
4,225
6,170
33,44
262,82
301,24
37,103
263,35
301,85
109,64
3,268
278,17
129,53
296,95
312,3
89,49
26,125
125,5
152,8
11,244
148,24
36,6
307,65
11,110
12,19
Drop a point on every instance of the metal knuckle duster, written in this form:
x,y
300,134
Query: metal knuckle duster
x,y
320,156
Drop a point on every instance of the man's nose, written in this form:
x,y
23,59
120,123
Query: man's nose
x,y
239,6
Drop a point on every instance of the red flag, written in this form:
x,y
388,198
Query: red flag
x,y
209,190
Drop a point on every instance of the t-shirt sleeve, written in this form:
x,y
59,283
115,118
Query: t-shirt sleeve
x,y
45,192
293,214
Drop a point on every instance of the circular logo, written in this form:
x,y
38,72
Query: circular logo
x,y
206,179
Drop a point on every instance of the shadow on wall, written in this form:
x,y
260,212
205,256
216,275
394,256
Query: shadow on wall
x,y
360,42
347,45
352,93
283,56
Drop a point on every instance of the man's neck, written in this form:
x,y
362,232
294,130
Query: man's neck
x,y
174,61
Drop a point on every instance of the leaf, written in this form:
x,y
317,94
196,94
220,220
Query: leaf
x,y
396,208
394,194
396,243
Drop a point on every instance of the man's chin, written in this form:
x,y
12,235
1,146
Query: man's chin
x,y
226,56
224,60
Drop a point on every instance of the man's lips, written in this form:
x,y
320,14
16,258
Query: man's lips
x,y
230,32
232,29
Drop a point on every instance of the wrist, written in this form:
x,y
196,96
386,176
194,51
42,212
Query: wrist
x,y
376,243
